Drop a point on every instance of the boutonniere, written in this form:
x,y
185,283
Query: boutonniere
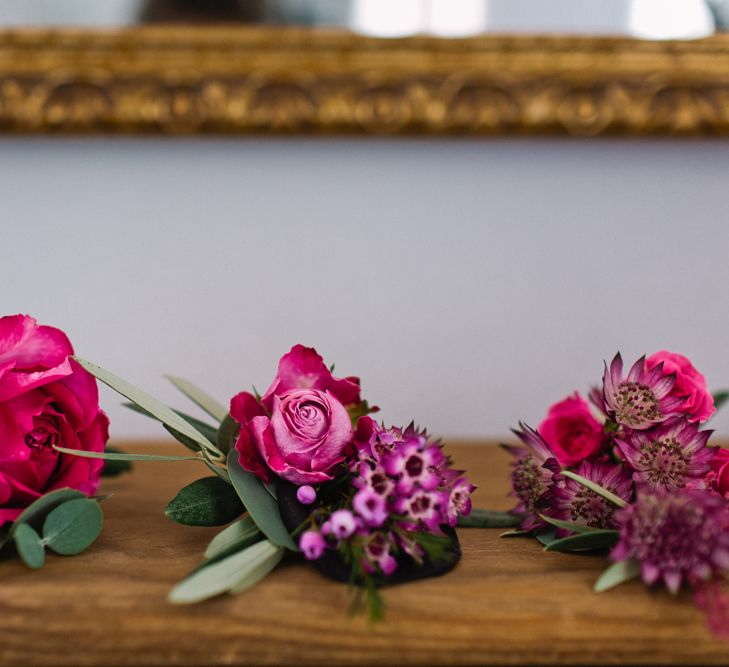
x,y
635,476
47,403
304,469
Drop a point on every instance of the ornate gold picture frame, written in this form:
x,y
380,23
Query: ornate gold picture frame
x,y
255,80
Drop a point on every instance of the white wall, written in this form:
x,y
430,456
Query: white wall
x,y
470,283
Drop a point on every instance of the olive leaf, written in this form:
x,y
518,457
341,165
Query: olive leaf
x,y
236,536
209,501
480,518
259,503
568,525
596,488
199,397
586,541
618,573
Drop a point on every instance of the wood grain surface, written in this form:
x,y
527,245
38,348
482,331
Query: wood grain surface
x,y
507,602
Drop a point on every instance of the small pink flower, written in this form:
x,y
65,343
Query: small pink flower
x,y
46,399
371,506
306,495
459,500
312,545
690,384
415,464
571,431
423,508
342,524
377,551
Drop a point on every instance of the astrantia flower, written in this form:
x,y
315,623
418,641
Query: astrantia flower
x,y
643,398
573,502
668,456
531,474
682,535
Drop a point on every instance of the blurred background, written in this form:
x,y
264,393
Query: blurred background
x,y
469,282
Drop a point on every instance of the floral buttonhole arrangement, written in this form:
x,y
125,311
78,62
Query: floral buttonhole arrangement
x,y
636,476
304,468
48,404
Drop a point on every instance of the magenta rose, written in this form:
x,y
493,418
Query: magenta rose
x,y
300,427
302,440
699,404
571,431
720,467
46,399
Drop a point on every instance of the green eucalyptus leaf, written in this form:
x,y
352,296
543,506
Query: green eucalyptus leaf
x,y
618,573
595,488
547,537
236,536
38,509
227,434
149,403
112,456
199,397
30,546
720,398
515,533
115,468
259,503
234,573
73,526
480,518
598,539
209,501
206,429
568,525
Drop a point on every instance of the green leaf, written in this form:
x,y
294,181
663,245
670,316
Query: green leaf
x,y
182,439
547,537
598,539
112,456
596,488
720,397
40,508
227,434
617,574
569,525
207,430
515,533
236,536
259,503
115,468
30,546
73,526
209,501
150,404
199,397
234,573
479,518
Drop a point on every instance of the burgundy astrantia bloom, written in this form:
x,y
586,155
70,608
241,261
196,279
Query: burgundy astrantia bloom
x,y
643,398
571,501
676,536
532,473
669,456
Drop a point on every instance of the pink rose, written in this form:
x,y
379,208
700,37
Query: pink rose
x,y
304,368
720,467
302,440
571,431
699,405
46,399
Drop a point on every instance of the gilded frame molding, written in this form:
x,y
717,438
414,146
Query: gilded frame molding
x,y
266,80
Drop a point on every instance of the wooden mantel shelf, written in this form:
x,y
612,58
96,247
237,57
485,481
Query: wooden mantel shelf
x,y
506,602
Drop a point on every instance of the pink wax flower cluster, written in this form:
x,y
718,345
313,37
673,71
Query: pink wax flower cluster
x,y
46,399
402,484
